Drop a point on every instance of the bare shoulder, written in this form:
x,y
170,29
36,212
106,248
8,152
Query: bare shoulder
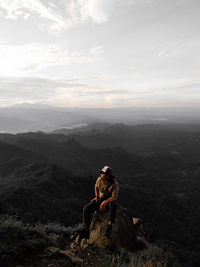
x,y
98,178
98,181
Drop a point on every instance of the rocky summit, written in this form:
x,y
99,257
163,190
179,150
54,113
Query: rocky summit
x,y
122,235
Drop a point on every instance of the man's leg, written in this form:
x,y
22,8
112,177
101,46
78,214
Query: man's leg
x,y
111,218
112,212
87,212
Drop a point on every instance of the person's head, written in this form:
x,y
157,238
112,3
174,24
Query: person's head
x,y
104,176
106,173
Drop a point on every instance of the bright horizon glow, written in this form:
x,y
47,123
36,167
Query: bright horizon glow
x,y
100,53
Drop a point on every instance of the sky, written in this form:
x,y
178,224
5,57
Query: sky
x,y
100,53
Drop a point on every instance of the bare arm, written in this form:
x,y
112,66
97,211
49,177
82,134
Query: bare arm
x,y
96,191
112,198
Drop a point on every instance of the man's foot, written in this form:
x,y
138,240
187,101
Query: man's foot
x,y
108,231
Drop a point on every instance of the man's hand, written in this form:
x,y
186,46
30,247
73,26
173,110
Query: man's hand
x,y
102,206
94,199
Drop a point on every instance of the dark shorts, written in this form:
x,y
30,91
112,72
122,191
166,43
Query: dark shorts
x,y
91,207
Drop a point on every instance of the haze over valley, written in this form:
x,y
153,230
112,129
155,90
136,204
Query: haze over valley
x,y
34,117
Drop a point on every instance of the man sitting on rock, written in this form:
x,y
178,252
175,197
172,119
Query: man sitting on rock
x,y
106,193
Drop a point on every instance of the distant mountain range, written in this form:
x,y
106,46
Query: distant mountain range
x,y
39,117
24,118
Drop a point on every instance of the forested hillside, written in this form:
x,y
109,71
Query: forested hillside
x,y
49,177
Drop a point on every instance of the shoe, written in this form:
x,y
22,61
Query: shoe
x,y
108,231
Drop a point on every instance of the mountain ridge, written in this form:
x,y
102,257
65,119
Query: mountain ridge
x,y
57,179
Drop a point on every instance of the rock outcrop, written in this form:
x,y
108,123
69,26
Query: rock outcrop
x,y
123,234
140,231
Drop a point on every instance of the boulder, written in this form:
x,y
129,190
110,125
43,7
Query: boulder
x,y
140,231
123,234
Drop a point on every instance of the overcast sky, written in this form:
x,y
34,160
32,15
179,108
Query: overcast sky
x,y
100,53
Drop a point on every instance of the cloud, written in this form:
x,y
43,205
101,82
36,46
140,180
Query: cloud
x,y
184,87
163,53
15,90
74,92
24,88
36,56
104,77
31,87
96,11
57,16
14,9
99,91
41,88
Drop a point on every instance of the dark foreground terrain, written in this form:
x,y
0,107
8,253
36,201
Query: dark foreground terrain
x,y
47,178
55,245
